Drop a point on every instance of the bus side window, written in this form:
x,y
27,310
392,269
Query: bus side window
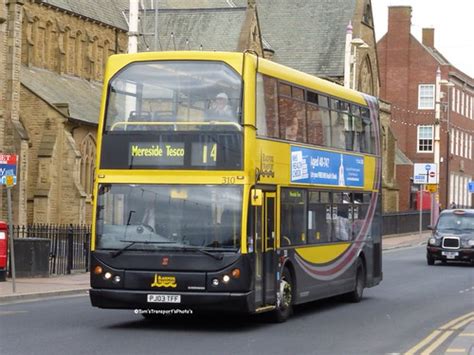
x,y
267,107
319,230
293,217
319,227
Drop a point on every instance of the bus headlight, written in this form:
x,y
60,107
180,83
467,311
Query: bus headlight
x,y
215,282
226,278
107,276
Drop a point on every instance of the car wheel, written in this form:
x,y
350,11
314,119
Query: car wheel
x,y
285,305
430,260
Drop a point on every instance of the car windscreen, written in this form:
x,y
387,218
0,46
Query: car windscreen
x,y
456,222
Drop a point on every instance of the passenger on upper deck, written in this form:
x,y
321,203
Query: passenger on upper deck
x,y
220,107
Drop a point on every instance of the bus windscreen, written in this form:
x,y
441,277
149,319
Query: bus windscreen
x,y
174,95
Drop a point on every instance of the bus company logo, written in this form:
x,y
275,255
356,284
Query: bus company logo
x,y
266,166
164,281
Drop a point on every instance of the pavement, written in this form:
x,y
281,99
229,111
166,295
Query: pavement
x,y
79,283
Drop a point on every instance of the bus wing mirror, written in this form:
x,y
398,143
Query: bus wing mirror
x,y
257,197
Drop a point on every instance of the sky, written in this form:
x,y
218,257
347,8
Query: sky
x,y
453,21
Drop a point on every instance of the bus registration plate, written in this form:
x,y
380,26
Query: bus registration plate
x,y
164,298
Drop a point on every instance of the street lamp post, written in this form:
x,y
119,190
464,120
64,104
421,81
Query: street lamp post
x,y
448,85
350,57
436,147
356,43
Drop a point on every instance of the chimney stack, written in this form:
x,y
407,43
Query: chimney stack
x,y
399,20
428,37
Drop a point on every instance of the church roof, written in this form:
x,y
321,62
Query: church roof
x,y
308,35
81,96
194,29
105,11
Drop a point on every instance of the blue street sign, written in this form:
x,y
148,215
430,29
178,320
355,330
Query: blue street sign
x,y
8,169
470,186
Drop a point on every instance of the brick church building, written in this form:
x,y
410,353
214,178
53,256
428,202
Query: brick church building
x,y
51,67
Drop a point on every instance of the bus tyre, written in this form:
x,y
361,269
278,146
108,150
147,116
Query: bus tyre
x,y
285,305
356,295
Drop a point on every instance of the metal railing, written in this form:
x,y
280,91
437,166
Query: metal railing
x,y
404,222
69,245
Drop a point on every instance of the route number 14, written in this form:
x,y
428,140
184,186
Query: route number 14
x,y
209,153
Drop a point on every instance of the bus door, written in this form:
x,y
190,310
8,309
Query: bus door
x,y
269,255
265,265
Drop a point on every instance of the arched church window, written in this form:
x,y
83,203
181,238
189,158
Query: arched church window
x,y
88,149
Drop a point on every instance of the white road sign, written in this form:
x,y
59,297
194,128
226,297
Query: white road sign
x,y
425,173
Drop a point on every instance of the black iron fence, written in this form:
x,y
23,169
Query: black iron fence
x,y
69,245
404,222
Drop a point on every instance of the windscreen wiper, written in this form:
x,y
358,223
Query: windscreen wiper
x,y
212,255
198,249
133,242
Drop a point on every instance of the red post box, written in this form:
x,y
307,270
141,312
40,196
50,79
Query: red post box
x,y
426,200
3,250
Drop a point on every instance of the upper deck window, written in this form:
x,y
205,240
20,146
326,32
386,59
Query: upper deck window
x,y
174,95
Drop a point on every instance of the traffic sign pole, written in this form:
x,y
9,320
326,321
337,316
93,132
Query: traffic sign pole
x,y
8,170
422,189
10,236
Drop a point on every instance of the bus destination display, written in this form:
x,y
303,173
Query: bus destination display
x,y
171,154
172,150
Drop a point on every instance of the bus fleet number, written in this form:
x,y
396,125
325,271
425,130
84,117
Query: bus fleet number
x,y
228,180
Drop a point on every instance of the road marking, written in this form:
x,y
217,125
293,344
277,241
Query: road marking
x,y
7,313
456,350
437,337
466,335
461,323
438,342
452,323
423,343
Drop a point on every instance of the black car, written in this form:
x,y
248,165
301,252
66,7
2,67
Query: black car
x,y
452,238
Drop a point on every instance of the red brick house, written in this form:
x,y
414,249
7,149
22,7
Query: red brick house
x,y
408,81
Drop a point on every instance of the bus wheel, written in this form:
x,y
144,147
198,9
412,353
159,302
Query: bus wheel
x,y
356,295
285,304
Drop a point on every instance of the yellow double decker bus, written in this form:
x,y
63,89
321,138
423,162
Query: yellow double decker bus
x,y
229,182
